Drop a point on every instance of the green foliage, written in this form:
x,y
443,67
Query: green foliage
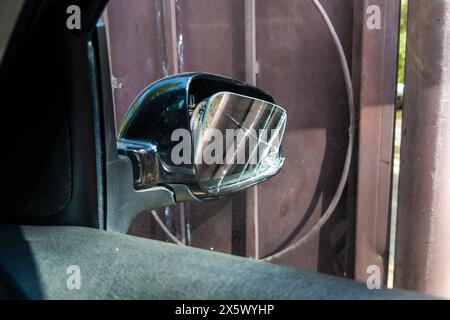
x,y
402,51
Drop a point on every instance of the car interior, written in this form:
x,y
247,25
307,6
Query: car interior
x,y
67,196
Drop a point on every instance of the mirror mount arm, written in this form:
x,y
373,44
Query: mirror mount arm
x,y
144,160
146,167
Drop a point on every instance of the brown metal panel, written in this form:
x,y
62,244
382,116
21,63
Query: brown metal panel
x,y
299,65
423,222
211,37
136,59
375,74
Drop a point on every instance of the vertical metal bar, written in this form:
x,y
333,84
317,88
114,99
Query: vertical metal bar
x,y
170,41
250,42
423,222
170,34
250,77
183,224
105,18
169,220
375,70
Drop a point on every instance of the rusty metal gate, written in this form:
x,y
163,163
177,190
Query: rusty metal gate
x,y
283,47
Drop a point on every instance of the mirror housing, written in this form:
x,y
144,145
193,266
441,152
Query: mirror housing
x,y
175,124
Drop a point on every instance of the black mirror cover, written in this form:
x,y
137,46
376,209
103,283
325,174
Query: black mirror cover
x,y
167,105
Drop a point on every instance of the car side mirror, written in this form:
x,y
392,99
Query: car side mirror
x,y
202,136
